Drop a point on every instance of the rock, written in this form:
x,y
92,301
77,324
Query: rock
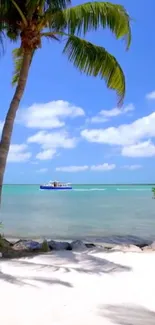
x,y
27,245
1,254
90,245
78,244
126,248
55,245
149,247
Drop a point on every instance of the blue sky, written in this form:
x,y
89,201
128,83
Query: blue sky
x,y
68,126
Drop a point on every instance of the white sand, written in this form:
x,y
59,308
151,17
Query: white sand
x,y
78,288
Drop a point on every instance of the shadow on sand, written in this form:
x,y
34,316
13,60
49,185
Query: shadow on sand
x,y
64,261
24,280
128,314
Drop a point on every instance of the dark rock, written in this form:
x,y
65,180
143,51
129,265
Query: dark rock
x,y
55,245
78,244
90,245
27,245
149,247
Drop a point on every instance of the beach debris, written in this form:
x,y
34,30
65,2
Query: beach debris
x,y
56,245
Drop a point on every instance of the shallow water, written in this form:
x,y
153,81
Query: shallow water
x,y
117,212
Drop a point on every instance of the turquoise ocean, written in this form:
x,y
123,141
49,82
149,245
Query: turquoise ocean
x,y
93,212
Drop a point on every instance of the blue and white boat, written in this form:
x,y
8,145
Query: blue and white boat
x,y
56,185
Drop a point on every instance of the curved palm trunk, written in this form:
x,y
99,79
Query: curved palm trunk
x,y
10,117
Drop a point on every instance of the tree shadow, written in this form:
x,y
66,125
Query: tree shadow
x,y
82,262
22,280
128,314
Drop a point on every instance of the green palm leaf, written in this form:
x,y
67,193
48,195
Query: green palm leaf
x,y
90,16
96,61
18,59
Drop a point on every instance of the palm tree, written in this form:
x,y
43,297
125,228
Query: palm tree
x,y
28,21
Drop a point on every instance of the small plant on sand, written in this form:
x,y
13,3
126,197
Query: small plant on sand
x,y
45,246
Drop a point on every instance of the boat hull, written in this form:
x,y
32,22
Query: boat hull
x,y
44,187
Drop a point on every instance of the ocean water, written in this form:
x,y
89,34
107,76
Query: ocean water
x,y
93,212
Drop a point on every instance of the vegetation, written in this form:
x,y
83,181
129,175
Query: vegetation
x,y
28,21
45,247
153,192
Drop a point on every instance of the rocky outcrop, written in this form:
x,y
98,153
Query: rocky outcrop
x,y
24,248
149,247
27,245
78,245
56,245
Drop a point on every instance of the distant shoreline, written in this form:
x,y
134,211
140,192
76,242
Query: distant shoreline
x,y
99,184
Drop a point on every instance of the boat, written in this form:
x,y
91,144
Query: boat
x,y
56,185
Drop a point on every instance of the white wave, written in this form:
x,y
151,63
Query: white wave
x,y
88,189
133,189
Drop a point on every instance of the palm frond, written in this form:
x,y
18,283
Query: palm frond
x,y
18,59
18,55
50,35
90,16
96,61
46,5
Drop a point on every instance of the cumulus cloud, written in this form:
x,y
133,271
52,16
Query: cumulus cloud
x,y
142,149
50,141
46,154
18,153
105,115
103,167
132,167
72,169
150,95
48,115
125,134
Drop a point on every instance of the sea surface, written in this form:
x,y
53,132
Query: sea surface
x,y
115,213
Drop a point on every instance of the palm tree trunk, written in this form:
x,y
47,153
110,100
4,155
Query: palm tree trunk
x,y
11,114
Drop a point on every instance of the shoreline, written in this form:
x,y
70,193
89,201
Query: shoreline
x,y
11,249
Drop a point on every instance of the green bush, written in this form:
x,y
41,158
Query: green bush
x,y
45,247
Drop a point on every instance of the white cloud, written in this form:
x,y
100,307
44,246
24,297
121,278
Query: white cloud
x,y
1,125
50,141
105,115
132,167
103,167
46,154
72,169
18,153
48,115
151,95
142,149
42,170
123,135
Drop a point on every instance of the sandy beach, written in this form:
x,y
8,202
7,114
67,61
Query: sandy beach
x,y
78,287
